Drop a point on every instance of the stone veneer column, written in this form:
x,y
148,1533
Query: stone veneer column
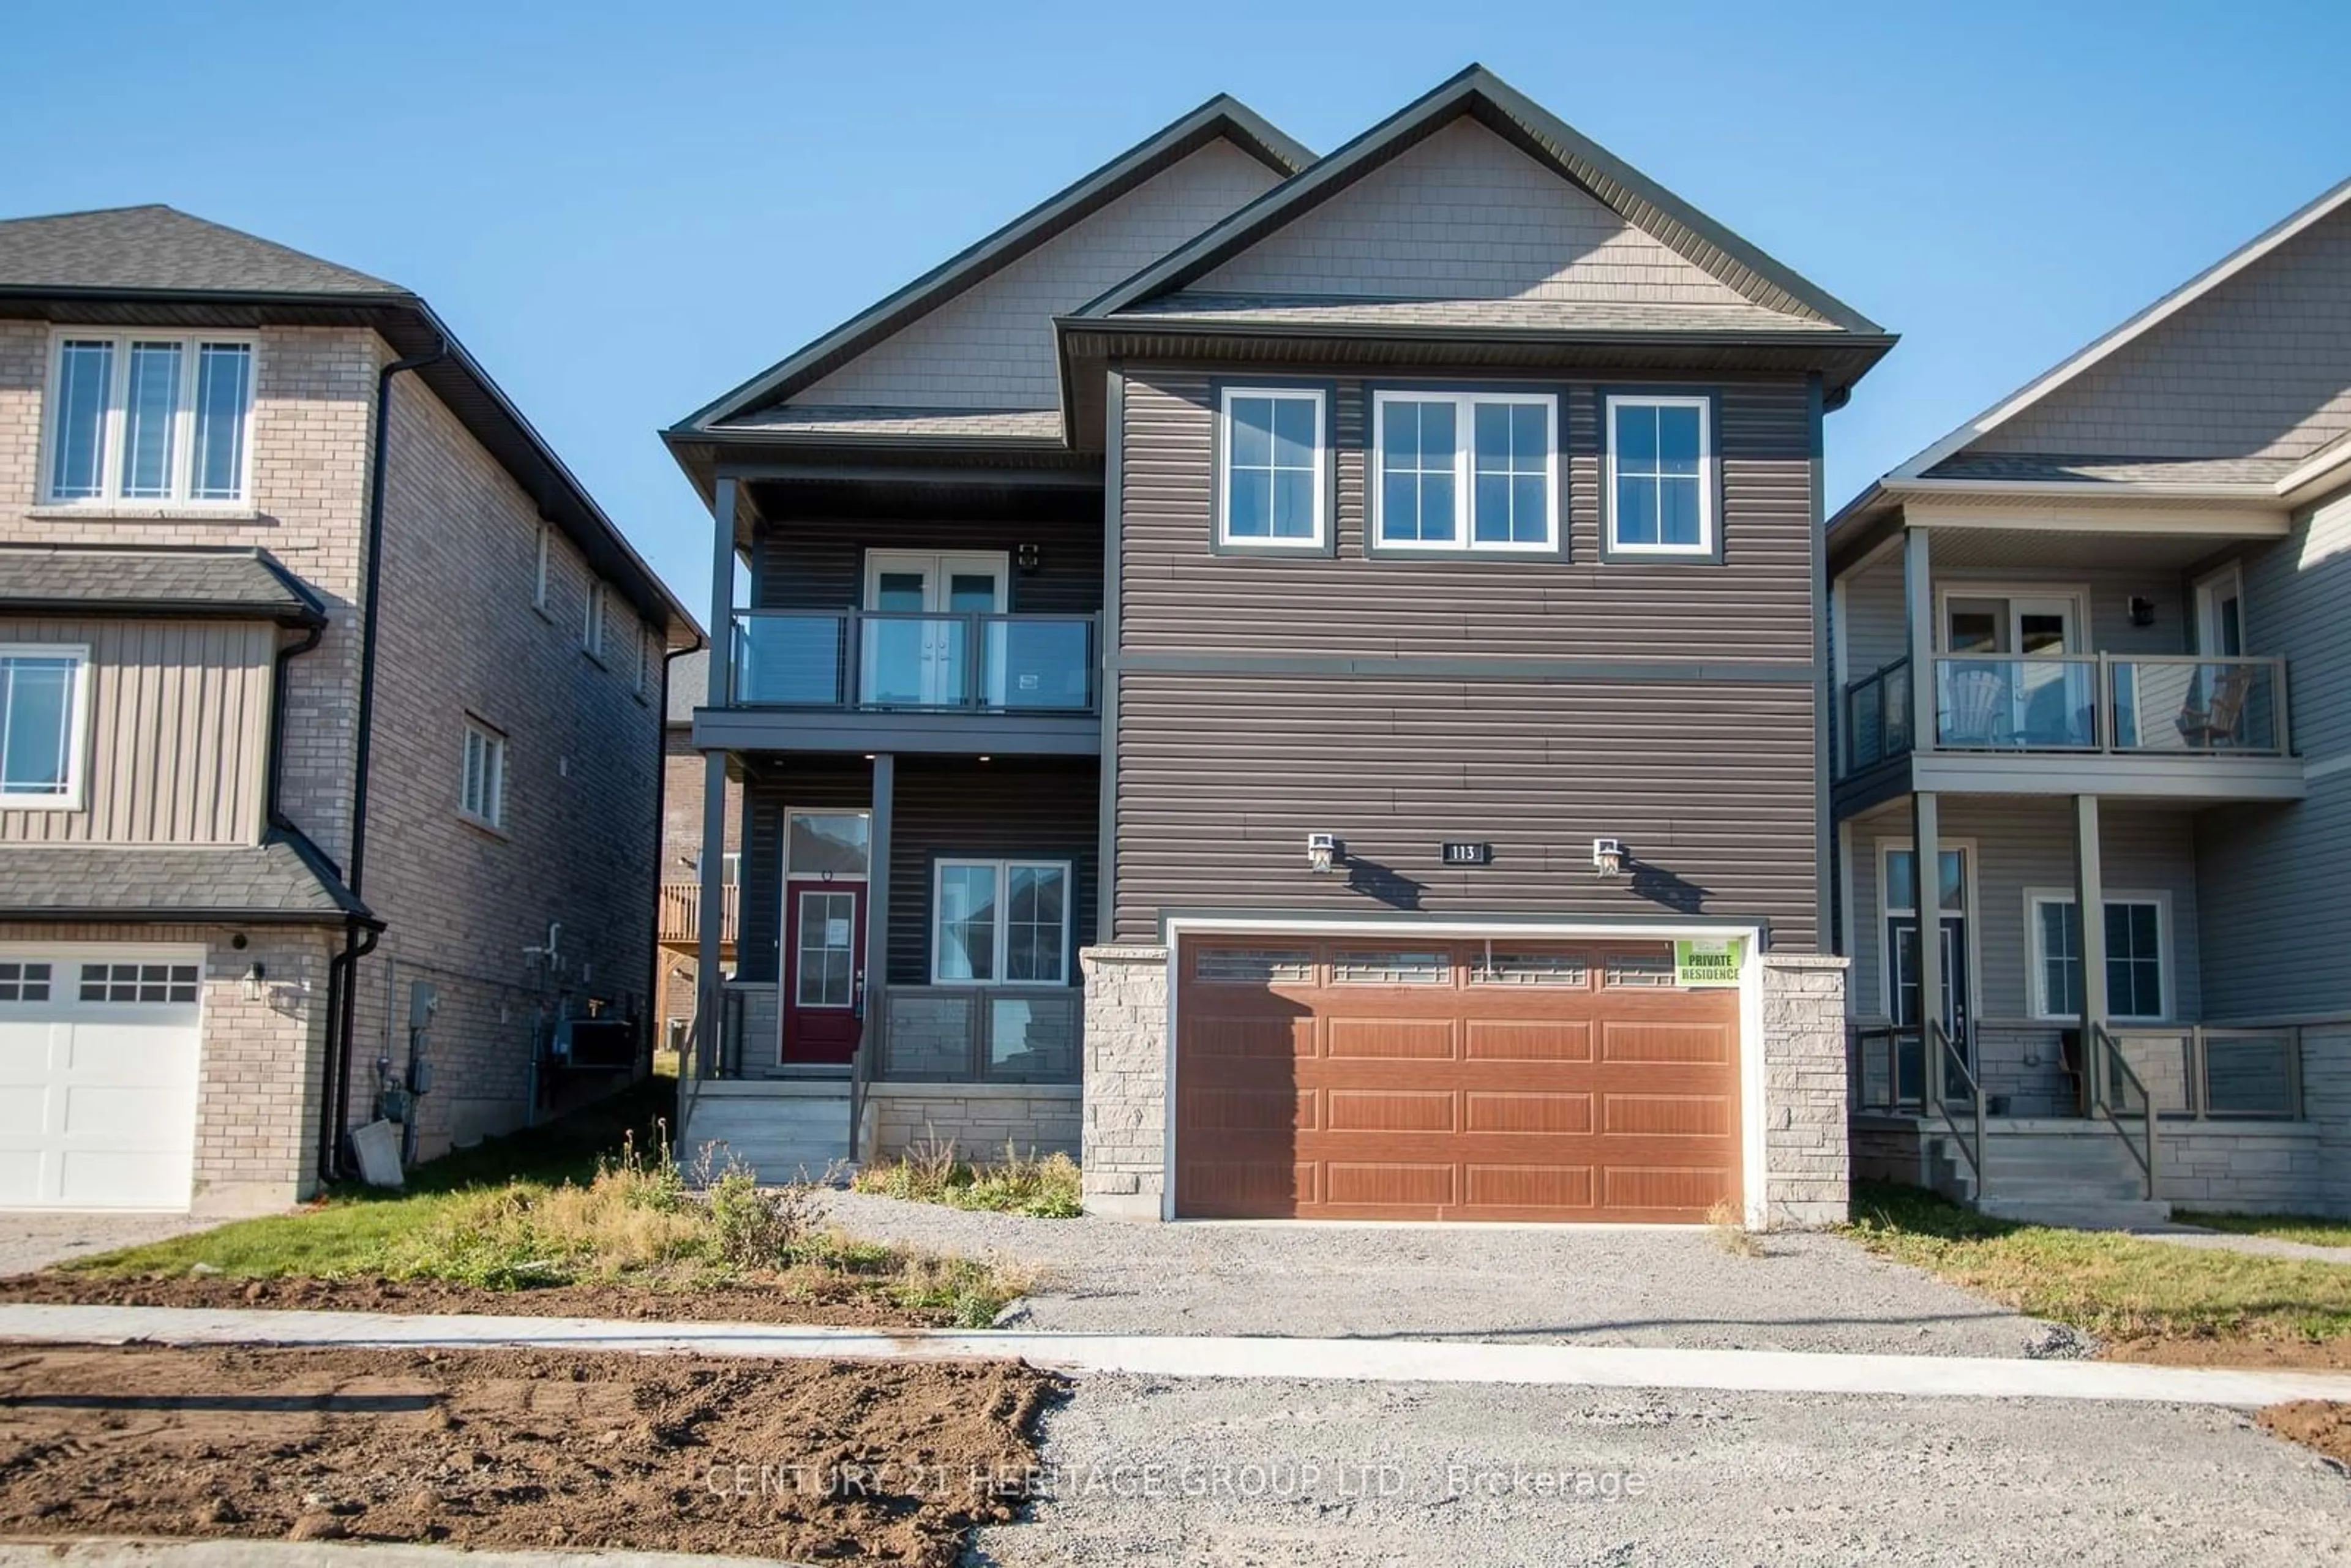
x,y
1124,1139
1804,1079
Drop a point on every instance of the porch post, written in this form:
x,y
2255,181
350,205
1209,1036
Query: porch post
x,y
1918,601
1926,878
2090,904
708,983
877,899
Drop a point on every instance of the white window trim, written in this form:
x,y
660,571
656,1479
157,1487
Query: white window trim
x,y
1320,538
1707,523
494,779
69,797
2035,897
1970,866
1465,462
1003,868
541,568
591,622
111,430
2007,593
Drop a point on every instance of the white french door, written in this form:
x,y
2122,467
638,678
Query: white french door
x,y
919,648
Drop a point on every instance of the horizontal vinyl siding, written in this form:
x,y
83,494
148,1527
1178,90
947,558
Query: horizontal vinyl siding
x,y
809,564
2276,877
2023,843
1179,596
176,734
1221,778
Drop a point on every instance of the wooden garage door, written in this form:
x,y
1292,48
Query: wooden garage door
x,y
1451,1081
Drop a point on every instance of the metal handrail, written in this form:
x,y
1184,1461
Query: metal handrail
x,y
2117,1066
860,1067
1940,1049
2109,675
1890,1038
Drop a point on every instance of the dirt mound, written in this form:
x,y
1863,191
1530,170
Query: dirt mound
x,y
880,1462
2261,1354
814,1300
2314,1423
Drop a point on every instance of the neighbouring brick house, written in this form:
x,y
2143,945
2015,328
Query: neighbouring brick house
x,y
330,705
1298,676
681,866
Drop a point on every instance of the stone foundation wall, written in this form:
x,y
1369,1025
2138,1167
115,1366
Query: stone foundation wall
x,y
2244,1167
2327,1103
1806,1165
978,1119
1124,1134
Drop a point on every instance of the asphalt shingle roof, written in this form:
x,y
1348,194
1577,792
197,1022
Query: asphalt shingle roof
x,y
161,248
268,881
52,579
2062,467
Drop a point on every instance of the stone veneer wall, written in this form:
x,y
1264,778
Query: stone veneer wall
x,y
1124,1136
978,1119
1805,1168
1125,1150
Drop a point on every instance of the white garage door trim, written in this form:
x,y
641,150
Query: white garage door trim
x,y
1752,1111
39,1038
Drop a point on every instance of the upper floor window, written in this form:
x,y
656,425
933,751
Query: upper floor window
x,y
144,416
592,625
1660,487
482,779
538,569
1474,471
1273,491
40,725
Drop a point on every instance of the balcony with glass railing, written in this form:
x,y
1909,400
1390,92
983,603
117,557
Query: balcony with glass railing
x,y
2103,704
861,661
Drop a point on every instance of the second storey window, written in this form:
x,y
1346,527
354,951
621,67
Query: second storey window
x,y
539,579
482,782
592,625
1474,471
147,417
1660,486
40,725
1273,490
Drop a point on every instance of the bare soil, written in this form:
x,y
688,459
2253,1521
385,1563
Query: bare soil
x,y
2213,1350
2315,1423
858,1461
815,1298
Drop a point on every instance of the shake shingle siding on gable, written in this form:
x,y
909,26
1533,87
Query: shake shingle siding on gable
x,y
2254,368
1464,214
991,346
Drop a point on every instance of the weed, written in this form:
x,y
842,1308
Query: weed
x,y
1045,1188
1731,1232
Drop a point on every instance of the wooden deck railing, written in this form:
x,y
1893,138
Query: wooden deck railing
x,y
681,913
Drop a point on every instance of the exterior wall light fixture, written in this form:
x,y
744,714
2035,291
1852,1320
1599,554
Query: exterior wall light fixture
x,y
1608,857
1322,853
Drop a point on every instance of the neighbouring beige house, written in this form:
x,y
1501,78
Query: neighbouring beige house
x,y
331,729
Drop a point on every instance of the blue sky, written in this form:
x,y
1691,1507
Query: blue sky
x,y
625,209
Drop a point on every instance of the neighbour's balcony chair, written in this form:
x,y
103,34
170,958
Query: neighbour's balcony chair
x,y
1978,701
2213,726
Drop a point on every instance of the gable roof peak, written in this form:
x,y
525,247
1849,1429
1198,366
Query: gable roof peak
x,y
155,247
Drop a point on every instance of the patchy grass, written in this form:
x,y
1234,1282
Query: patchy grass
x,y
1731,1232
566,1207
2115,1286
2310,1229
1045,1188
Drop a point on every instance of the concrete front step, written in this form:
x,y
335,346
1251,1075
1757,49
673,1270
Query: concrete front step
x,y
785,1131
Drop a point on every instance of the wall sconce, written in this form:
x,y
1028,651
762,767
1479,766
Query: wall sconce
x,y
1322,853
1608,857
2142,611
1028,557
254,974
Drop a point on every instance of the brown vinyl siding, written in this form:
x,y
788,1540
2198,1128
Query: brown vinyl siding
x,y
1223,772
820,564
175,737
1177,596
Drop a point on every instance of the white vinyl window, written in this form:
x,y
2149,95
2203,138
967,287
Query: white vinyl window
x,y
2139,987
42,694
1276,456
591,623
1659,484
148,416
538,567
482,779
1475,470
1000,922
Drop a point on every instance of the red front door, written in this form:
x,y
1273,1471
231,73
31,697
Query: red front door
x,y
824,969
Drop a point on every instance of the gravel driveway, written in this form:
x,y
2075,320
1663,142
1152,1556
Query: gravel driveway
x,y
1536,1283
30,1241
1721,1478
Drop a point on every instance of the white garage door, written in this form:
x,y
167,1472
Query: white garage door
x,y
98,1051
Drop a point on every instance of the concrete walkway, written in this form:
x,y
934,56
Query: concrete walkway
x,y
2258,1246
1350,1360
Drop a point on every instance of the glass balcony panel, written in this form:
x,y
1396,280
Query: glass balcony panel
x,y
2007,704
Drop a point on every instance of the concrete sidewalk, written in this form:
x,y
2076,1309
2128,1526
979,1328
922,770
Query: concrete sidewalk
x,y
1355,1360
241,1554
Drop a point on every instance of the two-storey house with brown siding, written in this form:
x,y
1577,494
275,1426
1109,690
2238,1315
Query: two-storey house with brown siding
x,y
330,727
2091,655
1297,677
